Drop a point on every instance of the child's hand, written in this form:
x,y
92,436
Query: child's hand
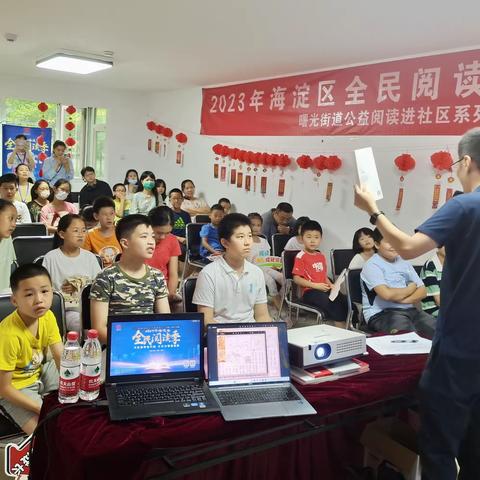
x,y
323,287
67,288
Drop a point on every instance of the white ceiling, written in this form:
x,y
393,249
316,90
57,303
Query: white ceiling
x,y
163,45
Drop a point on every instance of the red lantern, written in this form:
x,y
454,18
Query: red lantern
x,y
217,149
441,161
284,160
181,138
40,140
167,132
304,161
42,156
159,129
151,125
234,153
43,107
43,123
69,126
225,151
320,162
70,141
70,109
257,159
242,155
333,163
405,162
250,157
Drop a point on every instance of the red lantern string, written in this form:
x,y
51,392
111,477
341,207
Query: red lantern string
x,y
405,162
159,129
333,163
69,126
167,132
42,106
151,125
181,138
304,161
71,142
441,161
43,123
70,109
320,162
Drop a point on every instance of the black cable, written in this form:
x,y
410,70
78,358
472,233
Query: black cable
x,y
54,413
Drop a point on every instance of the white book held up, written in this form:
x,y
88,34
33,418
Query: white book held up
x,y
367,172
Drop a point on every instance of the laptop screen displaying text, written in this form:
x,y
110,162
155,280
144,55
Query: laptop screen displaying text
x,y
150,347
247,354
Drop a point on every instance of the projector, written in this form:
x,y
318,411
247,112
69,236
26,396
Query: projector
x,y
318,344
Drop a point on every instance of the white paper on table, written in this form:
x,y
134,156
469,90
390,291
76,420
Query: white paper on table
x,y
367,172
405,344
336,286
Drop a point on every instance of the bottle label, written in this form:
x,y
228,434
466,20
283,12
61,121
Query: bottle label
x,y
90,377
69,380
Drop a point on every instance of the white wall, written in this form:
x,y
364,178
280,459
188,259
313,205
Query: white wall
x,y
181,111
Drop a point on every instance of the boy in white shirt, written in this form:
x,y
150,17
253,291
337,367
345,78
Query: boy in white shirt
x,y
8,189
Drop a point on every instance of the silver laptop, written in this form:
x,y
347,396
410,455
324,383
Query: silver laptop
x,y
249,373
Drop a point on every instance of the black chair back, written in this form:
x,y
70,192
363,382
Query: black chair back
x,y
288,257
74,197
30,230
85,308
193,239
188,289
100,261
279,240
418,269
340,258
202,219
27,249
353,285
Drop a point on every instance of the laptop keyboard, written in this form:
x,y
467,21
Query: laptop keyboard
x,y
129,395
258,395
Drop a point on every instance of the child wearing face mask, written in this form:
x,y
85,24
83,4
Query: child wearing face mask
x,y
131,183
145,199
51,213
40,195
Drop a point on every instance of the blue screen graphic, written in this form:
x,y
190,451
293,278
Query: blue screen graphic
x,y
149,347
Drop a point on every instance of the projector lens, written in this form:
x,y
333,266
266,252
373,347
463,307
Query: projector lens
x,y
322,351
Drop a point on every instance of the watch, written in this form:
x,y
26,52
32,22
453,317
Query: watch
x,y
374,217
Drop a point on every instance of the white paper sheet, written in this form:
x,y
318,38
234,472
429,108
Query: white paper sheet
x,y
336,286
405,344
367,172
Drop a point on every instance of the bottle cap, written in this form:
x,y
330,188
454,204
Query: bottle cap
x,y
72,336
92,333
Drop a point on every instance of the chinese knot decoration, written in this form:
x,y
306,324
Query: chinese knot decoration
x,y
441,162
43,107
70,141
405,163
182,139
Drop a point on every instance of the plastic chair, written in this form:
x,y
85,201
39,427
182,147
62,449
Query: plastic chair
x,y
188,289
290,296
30,230
27,249
340,258
279,240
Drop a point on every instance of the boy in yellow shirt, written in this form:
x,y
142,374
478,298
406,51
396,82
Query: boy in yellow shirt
x,y
102,239
25,335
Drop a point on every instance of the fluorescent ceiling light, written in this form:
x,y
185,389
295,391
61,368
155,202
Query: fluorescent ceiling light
x,y
74,63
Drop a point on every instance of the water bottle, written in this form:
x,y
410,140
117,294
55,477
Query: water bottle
x,y
90,367
70,370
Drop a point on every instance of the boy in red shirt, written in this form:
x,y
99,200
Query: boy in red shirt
x,y
310,273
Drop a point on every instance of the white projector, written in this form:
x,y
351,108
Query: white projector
x,y
318,344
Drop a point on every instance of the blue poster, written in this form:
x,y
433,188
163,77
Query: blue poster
x,y
9,132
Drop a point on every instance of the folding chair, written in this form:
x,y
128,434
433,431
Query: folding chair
x,y
202,219
340,258
192,254
188,289
354,299
279,240
290,296
30,230
27,249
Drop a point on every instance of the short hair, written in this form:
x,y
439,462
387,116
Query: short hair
x,y
102,202
26,271
4,204
161,216
377,236
256,215
84,170
8,178
299,223
175,190
224,199
59,143
216,206
284,207
311,226
87,213
118,185
21,135
62,181
63,225
356,237
126,225
469,145
230,223
182,185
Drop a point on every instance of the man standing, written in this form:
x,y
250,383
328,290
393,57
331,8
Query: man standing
x,y
278,220
93,189
450,384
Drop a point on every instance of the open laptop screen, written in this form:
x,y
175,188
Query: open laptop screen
x,y
151,346
247,353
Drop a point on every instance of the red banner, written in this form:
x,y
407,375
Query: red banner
x,y
434,95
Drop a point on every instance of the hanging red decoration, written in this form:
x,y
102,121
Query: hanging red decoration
x,y
225,152
43,107
304,161
217,149
70,141
234,152
167,132
333,163
40,140
181,138
405,162
320,162
159,129
257,159
242,155
69,126
250,157
70,109
151,125
42,156
43,123
441,160
284,160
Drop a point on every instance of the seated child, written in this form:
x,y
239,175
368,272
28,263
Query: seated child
x,y
25,336
102,240
431,275
232,289
181,218
261,248
129,286
8,221
8,190
310,273
363,246
167,249
209,233
226,205
70,266
390,288
87,214
296,243
122,203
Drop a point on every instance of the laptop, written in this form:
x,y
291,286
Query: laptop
x,y
155,366
249,373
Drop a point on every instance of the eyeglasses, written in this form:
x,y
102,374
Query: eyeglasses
x,y
458,161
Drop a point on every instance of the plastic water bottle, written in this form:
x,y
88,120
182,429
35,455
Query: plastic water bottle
x,y
70,370
90,367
